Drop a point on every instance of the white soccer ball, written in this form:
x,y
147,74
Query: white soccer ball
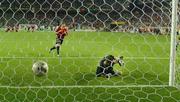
x,y
40,68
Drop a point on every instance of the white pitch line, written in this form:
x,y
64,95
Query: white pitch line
x,y
76,57
88,86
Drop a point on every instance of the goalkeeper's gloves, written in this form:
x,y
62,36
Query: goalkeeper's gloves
x,y
120,61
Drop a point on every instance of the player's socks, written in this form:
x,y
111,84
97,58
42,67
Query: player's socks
x,y
58,50
52,49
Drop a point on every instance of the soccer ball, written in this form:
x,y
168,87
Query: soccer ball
x,y
40,68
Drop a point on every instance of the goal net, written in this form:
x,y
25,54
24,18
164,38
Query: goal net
x,y
138,30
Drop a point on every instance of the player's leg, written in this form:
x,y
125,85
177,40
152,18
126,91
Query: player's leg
x,y
112,72
107,73
56,45
59,46
52,49
99,71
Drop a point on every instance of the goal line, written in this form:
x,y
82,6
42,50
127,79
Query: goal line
x,y
88,86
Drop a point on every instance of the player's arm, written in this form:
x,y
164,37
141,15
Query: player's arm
x,y
57,29
66,33
120,61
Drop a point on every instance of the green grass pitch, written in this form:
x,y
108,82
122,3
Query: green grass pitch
x,y
146,63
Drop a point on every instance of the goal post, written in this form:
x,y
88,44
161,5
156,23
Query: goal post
x,y
173,43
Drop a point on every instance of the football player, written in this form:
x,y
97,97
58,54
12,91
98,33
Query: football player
x,y
106,64
61,32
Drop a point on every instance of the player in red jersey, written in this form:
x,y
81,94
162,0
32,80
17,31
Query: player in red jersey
x,y
61,32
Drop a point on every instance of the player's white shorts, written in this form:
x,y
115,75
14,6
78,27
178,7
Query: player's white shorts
x,y
57,45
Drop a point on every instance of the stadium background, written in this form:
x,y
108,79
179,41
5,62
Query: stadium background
x,y
88,14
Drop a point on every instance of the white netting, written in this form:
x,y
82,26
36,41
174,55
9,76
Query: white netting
x,y
136,29
141,94
130,16
122,15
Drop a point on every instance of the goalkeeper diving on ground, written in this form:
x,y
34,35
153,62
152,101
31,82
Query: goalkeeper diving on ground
x,y
61,32
105,67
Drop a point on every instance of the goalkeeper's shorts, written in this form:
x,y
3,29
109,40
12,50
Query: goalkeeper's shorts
x,y
103,71
99,71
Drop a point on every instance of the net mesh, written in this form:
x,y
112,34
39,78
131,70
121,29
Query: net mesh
x,y
88,14
136,29
129,16
141,94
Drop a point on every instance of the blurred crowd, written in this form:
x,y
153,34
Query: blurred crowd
x,y
87,14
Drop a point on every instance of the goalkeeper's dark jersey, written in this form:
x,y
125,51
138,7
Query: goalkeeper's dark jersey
x,y
106,66
107,61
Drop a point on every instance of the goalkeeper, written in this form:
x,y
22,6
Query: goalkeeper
x,y
106,64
